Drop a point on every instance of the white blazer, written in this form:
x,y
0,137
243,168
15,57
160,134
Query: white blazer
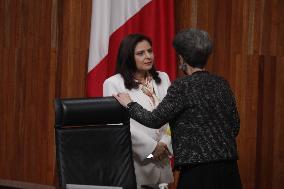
x,y
144,139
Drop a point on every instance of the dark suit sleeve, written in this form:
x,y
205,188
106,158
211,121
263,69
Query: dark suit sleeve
x,y
168,109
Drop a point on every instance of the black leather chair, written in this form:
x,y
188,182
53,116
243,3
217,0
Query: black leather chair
x,y
93,143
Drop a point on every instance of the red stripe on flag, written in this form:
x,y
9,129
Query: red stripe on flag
x,y
155,20
96,77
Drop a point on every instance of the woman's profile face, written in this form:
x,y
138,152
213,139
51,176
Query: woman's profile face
x,y
143,55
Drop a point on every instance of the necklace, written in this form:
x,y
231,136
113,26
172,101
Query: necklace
x,y
148,89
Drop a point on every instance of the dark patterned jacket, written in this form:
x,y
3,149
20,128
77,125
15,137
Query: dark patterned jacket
x,y
203,117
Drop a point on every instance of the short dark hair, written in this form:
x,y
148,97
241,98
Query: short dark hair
x,y
194,46
126,65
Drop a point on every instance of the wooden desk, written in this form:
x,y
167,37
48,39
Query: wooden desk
x,y
11,184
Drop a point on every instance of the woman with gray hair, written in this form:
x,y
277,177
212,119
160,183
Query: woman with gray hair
x,y
203,117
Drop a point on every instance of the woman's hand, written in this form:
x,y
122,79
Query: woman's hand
x,y
123,98
161,151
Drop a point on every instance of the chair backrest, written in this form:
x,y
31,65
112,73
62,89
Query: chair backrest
x,y
93,143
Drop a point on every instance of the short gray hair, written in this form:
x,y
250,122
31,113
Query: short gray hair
x,y
194,46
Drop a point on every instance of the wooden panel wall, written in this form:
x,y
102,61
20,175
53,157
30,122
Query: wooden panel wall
x,y
248,50
43,55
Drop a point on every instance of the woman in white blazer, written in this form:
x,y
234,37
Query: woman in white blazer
x,y
137,76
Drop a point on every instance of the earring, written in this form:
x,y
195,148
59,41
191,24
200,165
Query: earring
x,y
183,66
